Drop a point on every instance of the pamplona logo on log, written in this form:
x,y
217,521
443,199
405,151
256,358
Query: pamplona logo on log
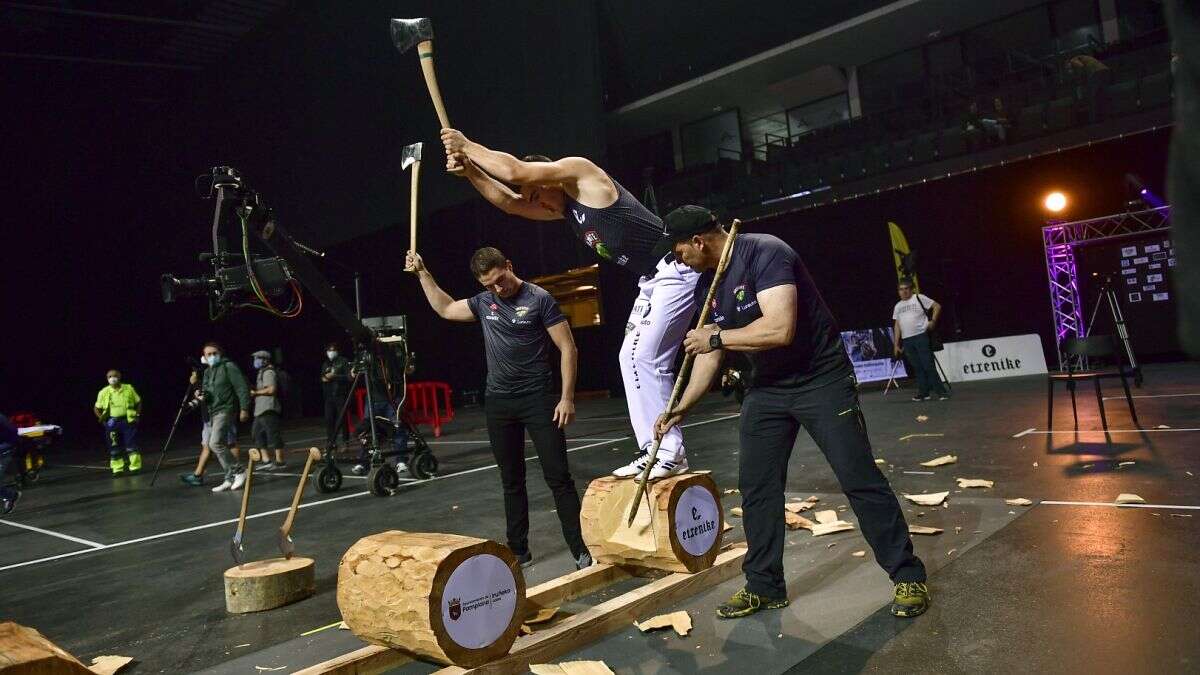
x,y
994,363
457,607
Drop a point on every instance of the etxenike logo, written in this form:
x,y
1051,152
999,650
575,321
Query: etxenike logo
x,y
988,351
992,362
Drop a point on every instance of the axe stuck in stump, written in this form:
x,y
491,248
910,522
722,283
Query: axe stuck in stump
x,y
285,531
235,546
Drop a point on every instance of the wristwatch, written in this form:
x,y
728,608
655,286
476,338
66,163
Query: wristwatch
x,y
714,340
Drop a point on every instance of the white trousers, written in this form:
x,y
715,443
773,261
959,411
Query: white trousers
x,y
660,319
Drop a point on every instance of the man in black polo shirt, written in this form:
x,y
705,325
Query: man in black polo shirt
x,y
767,306
519,321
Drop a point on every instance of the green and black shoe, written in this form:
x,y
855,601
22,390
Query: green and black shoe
x,y
911,599
744,603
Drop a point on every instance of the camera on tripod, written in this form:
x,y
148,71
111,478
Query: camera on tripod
x,y
236,279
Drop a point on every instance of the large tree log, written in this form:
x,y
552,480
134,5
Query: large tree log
x,y
267,584
442,597
24,651
679,532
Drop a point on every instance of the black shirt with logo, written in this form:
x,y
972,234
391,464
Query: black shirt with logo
x,y
515,338
625,232
816,356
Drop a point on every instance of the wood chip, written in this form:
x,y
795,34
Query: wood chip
x,y
951,551
1121,464
880,460
1129,498
930,499
974,483
571,668
1181,515
681,621
797,522
736,511
109,665
1035,464
797,507
825,517
727,526
541,616
829,528
922,529
732,491
859,554
922,418
526,630
941,461
1162,426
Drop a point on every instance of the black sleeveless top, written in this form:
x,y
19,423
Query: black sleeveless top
x,y
624,233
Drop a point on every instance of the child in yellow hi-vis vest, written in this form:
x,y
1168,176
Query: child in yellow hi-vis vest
x,y
117,407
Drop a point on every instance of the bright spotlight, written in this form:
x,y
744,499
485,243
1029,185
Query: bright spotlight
x,y
1055,202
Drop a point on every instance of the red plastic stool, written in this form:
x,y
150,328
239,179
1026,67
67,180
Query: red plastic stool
x,y
429,403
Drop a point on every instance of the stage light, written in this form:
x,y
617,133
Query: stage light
x,y
1055,202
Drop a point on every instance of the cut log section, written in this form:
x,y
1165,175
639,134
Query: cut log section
x,y
679,532
24,650
267,584
441,597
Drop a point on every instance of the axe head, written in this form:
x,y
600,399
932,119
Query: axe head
x,y
410,155
408,32
285,545
235,547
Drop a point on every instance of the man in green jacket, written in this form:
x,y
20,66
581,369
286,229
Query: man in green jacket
x,y
116,408
225,393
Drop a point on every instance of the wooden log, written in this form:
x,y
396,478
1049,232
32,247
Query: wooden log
x,y
24,651
679,532
441,597
267,584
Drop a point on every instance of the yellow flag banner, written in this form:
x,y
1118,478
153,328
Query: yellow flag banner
x,y
902,256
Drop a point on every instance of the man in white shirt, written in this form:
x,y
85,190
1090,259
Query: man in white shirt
x,y
912,320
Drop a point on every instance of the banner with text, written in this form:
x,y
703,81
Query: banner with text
x,y
988,359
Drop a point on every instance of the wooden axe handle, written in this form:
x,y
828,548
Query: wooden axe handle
x,y
253,456
412,212
425,54
313,455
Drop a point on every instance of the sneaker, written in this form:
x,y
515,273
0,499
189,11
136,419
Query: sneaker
x,y
920,397
191,479
943,397
223,486
267,466
360,469
634,468
238,481
911,599
525,559
744,603
401,467
665,469
9,502
584,560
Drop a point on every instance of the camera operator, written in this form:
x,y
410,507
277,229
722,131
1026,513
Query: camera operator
x,y
335,386
8,448
116,409
196,402
226,393
264,432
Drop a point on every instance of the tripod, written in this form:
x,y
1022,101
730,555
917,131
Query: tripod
x,y
183,406
1114,307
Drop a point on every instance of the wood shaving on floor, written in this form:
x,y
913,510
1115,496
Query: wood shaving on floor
x,y
1129,498
922,529
929,499
736,511
1019,501
859,554
109,665
941,461
571,668
680,621
974,483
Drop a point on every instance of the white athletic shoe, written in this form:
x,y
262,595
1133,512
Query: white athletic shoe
x,y
401,467
634,468
223,487
665,469
240,480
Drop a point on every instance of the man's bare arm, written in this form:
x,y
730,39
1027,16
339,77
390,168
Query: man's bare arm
x,y
775,328
509,169
500,196
441,302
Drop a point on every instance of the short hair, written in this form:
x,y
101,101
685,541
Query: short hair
x,y
536,158
213,345
485,260
111,371
331,343
905,281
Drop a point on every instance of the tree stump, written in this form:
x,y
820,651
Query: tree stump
x,y
679,532
267,584
446,598
24,651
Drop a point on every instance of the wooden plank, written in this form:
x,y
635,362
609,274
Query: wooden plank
x,y
607,617
369,660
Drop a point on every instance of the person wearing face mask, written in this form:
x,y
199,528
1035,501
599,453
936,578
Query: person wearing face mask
x,y
226,394
335,386
116,408
195,478
267,410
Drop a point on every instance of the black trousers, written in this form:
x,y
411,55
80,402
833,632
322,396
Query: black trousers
x,y
333,406
920,355
508,418
771,419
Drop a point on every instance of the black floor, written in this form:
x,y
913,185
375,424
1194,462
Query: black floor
x,y
1049,588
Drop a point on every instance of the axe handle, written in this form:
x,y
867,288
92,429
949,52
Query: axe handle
x,y
425,54
677,390
253,457
313,454
412,212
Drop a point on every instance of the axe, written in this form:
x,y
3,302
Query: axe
x,y
644,479
411,156
285,532
419,32
235,546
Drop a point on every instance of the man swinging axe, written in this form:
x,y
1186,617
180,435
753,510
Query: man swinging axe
x,y
767,306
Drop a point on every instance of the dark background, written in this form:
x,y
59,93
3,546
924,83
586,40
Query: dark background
x,y
314,109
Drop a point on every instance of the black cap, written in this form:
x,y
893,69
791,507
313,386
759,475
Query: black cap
x,y
682,223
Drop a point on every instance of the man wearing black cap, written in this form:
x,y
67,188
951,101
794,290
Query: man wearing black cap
x,y
768,306
614,224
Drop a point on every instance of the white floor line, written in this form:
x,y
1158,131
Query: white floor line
x,y
68,537
1121,398
921,473
485,441
83,466
1100,431
1030,430
195,528
1179,507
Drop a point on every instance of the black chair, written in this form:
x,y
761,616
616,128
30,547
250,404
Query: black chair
x,y
1095,346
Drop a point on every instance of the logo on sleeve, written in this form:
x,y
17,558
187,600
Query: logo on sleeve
x,y
593,241
580,217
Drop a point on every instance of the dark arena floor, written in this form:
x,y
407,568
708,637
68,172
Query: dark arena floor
x,y
1070,584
